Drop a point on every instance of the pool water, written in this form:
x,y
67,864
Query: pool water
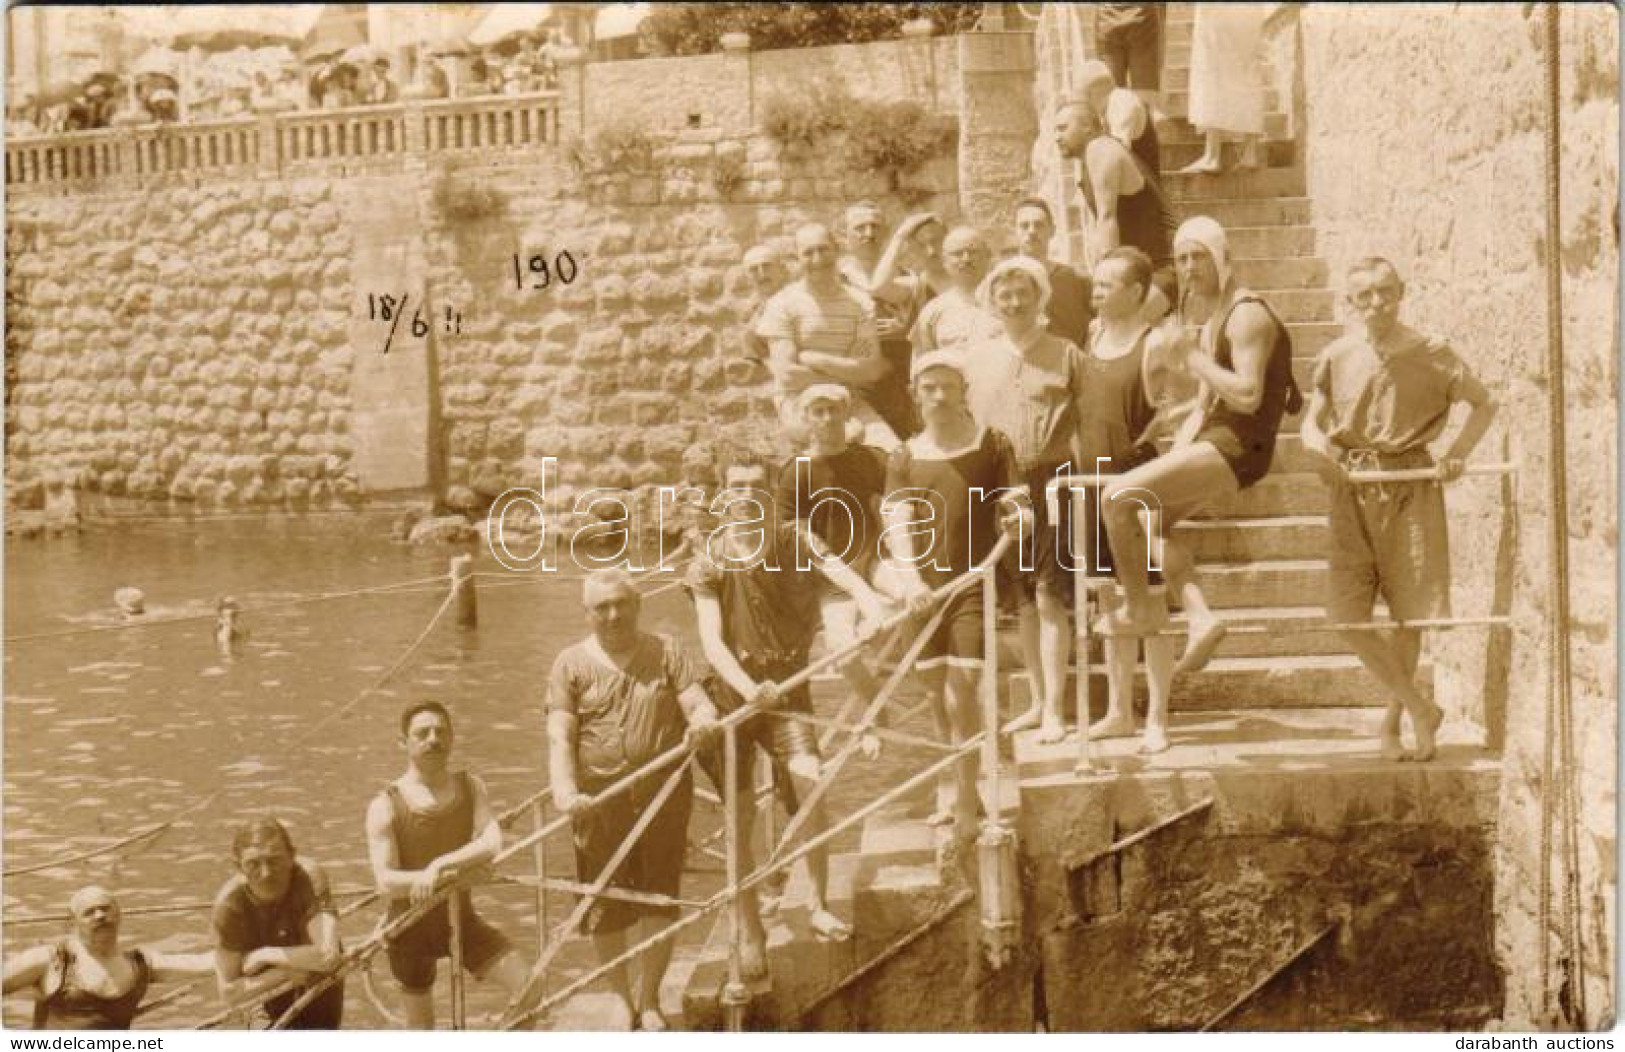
x,y
109,732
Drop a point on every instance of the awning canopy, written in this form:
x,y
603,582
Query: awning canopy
x,y
510,20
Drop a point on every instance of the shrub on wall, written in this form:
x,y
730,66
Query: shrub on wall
x,y
617,146
697,28
878,137
458,205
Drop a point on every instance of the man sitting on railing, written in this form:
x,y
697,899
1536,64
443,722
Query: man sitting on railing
x,y
616,701
430,824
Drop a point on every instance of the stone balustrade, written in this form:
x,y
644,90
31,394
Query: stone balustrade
x,y
274,144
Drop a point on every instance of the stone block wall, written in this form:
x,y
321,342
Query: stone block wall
x,y
1440,113
186,342
626,373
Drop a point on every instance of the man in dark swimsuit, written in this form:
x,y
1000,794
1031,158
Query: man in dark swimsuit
x,y
429,824
1243,361
85,981
274,920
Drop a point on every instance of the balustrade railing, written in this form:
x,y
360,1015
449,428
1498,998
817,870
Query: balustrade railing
x,y
277,142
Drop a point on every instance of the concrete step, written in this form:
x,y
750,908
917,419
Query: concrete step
x,y
1300,304
1190,191
1272,582
1249,540
1279,493
1251,211
1286,642
1290,457
1303,272
1309,338
1173,129
1306,681
1278,153
889,887
1271,242
1177,101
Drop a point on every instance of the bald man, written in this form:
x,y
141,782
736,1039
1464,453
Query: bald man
x,y
955,319
615,701
84,981
821,330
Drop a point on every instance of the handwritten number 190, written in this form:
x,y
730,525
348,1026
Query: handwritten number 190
x,y
563,268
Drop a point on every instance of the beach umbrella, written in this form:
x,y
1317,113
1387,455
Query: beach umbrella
x,y
360,55
157,62
507,21
336,28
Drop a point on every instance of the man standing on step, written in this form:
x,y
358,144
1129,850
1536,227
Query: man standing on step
x,y
1242,358
615,701
429,825
1122,193
820,330
895,305
954,319
1129,38
1068,311
757,597
1381,397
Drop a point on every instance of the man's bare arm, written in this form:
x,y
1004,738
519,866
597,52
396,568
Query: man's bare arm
x,y
26,969
1472,429
1102,160
392,881
561,757
1251,331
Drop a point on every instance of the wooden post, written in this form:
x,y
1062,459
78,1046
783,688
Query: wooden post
x,y
734,995
459,1008
1082,589
462,588
538,854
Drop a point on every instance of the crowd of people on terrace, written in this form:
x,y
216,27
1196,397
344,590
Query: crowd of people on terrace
x,y
927,373
273,80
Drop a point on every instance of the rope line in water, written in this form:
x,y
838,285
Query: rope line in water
x,y
210,615
152,833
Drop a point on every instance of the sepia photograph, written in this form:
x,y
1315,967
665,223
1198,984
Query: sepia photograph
x,y
858,518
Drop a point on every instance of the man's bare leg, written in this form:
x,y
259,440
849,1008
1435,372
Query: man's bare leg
x,y
1169,487
609,945
418,1008
1118,722
1205,630
1053,649
934,680
1032,659
962,712
1392,659
1159,675
652,965
804,769
512,974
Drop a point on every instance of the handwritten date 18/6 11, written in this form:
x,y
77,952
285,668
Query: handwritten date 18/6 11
x,y
391,309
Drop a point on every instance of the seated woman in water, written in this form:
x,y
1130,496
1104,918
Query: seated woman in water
x,y
85,981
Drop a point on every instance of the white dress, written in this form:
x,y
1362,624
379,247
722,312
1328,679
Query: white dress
x,y
1227,72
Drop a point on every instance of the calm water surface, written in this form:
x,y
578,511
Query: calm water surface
x,y
107,733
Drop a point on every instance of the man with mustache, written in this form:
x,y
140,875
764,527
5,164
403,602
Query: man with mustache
x,y
430,824
85,981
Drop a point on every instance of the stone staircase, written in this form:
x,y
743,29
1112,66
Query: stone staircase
x,y
1263,554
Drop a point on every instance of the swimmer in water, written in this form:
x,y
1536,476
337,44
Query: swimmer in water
x,y
227,632
131,602
85,981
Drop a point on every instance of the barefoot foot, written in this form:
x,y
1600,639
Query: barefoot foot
x,y
1052,730
1026,721
1203,165
1112,727
1389,747
1154,740
1426,728
652,1021
1205,637
826,927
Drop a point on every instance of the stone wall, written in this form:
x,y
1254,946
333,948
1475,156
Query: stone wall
x,y
185,342
205,337
1440,113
